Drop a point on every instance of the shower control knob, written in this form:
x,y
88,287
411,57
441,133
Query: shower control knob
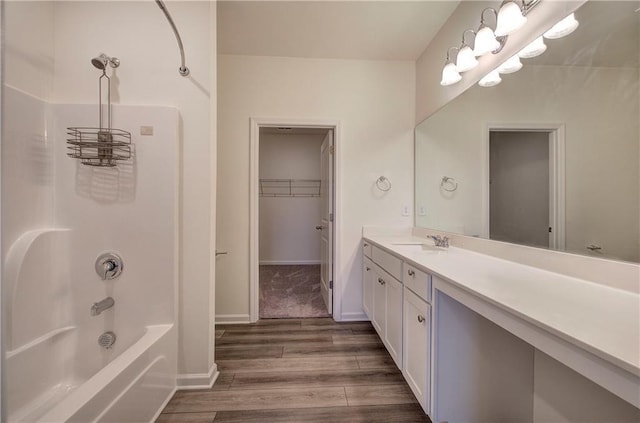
x,y
109,266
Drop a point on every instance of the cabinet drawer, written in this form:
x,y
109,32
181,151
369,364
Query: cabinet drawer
x,y
390,263
418,281
366,249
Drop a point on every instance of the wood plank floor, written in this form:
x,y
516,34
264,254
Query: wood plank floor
x,y
299,370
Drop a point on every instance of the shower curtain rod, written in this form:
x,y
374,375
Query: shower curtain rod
x,y
184,71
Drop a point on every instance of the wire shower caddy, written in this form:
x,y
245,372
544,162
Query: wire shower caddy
x,y
101,146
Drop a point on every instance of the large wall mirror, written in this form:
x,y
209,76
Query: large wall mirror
x,y
550,157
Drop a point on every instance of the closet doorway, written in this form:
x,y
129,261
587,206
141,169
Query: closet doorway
x,y
526,185
292,231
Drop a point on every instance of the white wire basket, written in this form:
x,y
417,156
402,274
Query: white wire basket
x,y
98,146
103,146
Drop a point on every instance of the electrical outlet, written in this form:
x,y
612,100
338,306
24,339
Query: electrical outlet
x,y
422,211
405,210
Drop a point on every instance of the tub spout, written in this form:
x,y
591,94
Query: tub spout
x,y
101,306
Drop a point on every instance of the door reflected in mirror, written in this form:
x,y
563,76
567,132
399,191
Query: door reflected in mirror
x,y
551,156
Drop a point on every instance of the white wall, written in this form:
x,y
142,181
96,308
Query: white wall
x,y
28,48
138,34
27,153
287,224
374,102
602,203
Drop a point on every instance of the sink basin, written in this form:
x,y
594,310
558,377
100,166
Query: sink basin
x,y
413,246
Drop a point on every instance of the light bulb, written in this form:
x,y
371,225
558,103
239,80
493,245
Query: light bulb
x,y
485,42
491,79
536,48
513,64
562,28
450,75
509,19
466,59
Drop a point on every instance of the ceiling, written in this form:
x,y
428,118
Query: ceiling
x,y
367,30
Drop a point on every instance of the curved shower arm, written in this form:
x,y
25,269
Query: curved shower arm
x,y
184,71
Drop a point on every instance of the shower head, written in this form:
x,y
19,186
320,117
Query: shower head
x,y
101,61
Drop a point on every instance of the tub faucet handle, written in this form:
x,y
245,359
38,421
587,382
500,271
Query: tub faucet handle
x,y
109,265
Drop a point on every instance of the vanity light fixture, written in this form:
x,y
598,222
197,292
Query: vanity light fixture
x,y
449,73
535,48
562,28
486,41
513,64
512,17
491,79
466,60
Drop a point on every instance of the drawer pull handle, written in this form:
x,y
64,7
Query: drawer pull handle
x,y
420,318
411,272
380,281
368,268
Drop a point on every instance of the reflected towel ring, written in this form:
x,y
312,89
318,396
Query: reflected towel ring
x,y
448,184
383,183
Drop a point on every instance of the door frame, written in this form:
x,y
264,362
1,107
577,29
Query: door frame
x,y
556,175
254,201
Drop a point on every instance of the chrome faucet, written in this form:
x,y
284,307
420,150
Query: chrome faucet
x,y
101,306
440,241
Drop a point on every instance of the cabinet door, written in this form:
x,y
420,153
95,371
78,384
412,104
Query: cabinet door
x,y
368,279
417,359
379,302
393,330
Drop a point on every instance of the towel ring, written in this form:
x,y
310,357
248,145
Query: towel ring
x,y
383,183
448,184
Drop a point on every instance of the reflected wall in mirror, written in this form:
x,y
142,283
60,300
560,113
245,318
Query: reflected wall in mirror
x,y
551,156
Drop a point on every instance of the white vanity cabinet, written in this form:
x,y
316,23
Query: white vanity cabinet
x,y
368,280
382,297
417,358
393,321
387,312
379,311
397,297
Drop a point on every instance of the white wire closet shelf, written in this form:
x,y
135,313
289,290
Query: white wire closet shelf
x,y
290,187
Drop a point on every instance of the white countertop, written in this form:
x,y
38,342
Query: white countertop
x,y
602,320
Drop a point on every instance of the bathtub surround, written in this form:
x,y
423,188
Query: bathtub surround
x,y
131,209
56,262
89,25
291,291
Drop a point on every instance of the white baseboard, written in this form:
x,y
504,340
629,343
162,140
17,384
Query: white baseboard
x,y
288,262
197,380
232,318
354,317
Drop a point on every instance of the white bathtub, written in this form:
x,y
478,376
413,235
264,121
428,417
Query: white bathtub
x,y
133,387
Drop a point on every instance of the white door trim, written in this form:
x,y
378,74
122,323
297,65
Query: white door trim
x,y
254,219
556,175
